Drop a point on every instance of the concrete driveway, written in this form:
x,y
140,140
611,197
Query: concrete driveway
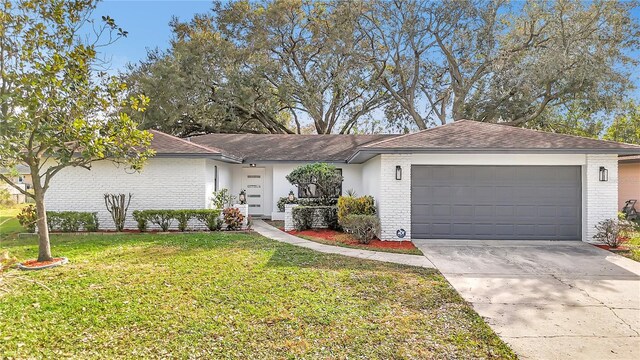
x,y
547,300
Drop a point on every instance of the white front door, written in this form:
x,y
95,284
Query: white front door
x,y
253,183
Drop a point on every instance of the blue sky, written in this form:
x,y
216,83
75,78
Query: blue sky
x,y
147,22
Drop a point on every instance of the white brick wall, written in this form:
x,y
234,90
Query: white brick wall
x,y
288,217
163,184
394,205
600,197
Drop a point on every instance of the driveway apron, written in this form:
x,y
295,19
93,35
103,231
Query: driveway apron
x,y
547,300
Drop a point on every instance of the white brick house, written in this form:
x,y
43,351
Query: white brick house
x,y
466,180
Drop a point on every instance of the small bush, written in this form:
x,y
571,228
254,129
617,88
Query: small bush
x,y
162,218
27,217
209,217
72,221
222,198
6,199
612,231
233,218
305,217
142,219
363,227
348,205
183,217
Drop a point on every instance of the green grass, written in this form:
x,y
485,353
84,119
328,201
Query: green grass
x,y
634,247
226,295
9,225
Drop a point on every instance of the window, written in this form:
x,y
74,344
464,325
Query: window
x,y
215,178
309,190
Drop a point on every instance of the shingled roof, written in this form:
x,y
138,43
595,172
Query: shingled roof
x,y
285,147
167,145
474,136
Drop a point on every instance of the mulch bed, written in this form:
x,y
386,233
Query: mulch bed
x,y
347,239
36,263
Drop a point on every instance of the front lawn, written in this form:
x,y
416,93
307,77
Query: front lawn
x,y
229,295
634,247
8,223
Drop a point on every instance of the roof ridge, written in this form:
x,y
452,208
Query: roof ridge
x,y
413,133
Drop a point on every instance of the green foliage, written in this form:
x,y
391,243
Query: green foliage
x,y
348,205
142,220
164,218
161,218
27,217
575,119
305,217
626,126
233,218
222,199
363,227
209,217
319,178
56,106
6,199
612,231
306,202
285,201
183,217
72,221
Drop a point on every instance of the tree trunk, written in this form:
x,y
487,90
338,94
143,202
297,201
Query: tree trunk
x,y
44,247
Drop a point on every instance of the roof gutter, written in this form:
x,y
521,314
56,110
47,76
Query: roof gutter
x,y
363,155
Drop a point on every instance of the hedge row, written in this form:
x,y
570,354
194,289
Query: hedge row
x,y
305,202
164,218
307,217
72,221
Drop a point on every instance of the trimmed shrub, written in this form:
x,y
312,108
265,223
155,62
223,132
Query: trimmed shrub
x,y
308,217
142,219
233,218
183,217
323,178
72,221
363,227
162,218
27,217
348,205
612,231
306,202
209,217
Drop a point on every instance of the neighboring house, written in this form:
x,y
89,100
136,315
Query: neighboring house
x,y
22,178
629,180
465,180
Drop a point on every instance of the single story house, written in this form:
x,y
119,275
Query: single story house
x,y
464,180
22,178
628,180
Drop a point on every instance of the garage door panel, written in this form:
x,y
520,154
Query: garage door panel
x,y
496,202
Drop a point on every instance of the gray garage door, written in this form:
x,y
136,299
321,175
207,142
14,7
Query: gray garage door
x,y
496,202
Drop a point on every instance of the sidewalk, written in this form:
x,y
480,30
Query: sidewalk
x,y
271,232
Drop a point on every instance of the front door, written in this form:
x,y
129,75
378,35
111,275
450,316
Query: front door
x,y
253,183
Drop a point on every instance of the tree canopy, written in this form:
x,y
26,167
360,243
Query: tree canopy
x,y
274,66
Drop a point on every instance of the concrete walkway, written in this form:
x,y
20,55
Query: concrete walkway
x,y
271,232
547,300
